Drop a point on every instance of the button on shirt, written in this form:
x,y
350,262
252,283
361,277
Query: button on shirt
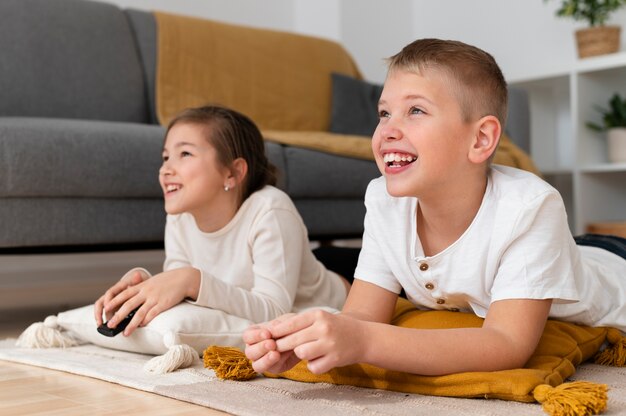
x,y
518,247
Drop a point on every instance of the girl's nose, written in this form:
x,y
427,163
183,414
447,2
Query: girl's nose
x,y
165,169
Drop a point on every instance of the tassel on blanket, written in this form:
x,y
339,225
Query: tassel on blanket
x,y
615,354
45,335
578,398
228,363
177,356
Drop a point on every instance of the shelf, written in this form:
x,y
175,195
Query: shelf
x,y
600,63
605,167
571,157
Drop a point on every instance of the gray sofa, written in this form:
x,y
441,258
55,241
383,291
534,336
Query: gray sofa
x,y
80,145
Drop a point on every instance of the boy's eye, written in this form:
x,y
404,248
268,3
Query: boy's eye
x,y
415,110
165,158
185,154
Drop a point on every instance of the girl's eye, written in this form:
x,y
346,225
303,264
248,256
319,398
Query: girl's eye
x,y
415,110
383,114
165,158
185,154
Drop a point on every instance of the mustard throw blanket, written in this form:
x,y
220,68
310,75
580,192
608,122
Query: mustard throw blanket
x,y
561,348
280,80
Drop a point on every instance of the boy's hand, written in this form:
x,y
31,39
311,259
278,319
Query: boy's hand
x,y
261,348
324,339
133,277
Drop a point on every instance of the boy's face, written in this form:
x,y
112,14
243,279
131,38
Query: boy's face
x,y
421,141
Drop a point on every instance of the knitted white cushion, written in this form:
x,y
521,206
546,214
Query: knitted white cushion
x,y
185,323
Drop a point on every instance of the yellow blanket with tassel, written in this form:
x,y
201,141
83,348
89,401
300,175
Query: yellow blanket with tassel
x,y
280,80
562,347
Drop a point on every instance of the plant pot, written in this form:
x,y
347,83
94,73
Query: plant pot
x,y
617,144
598,40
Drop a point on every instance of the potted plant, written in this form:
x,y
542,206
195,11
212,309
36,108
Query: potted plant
x,y
597,39
614,123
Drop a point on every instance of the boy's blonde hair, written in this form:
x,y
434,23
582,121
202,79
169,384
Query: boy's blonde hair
x,y
477,80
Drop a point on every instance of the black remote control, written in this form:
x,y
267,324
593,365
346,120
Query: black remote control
x,y
111,332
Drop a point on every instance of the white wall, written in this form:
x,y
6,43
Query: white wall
x,y
273,14
524,36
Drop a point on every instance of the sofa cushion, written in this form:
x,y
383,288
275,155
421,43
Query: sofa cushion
x,y
69,59
47,222
144,27
76,158
354,105
184,323
314,174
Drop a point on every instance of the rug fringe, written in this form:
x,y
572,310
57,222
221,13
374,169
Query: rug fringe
x,y
229,363
45,335
578,398
177,356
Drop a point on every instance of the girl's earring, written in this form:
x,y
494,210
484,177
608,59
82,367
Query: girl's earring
x,y
226,188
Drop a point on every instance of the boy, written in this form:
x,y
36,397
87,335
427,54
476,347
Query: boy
x,y
455,233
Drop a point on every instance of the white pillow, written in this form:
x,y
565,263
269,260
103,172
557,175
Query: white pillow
x,y
196,326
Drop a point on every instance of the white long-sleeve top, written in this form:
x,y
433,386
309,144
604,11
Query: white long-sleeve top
x,y
259,265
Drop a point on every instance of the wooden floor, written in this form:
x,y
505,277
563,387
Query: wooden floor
x,y
28,390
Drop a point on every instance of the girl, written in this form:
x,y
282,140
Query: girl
x,y
233,241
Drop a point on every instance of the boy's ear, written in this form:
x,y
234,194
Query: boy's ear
x,y
485,140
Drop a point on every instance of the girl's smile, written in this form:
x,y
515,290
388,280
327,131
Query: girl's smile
x,y
192,179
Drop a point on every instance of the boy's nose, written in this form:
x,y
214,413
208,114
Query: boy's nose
x,y
390,132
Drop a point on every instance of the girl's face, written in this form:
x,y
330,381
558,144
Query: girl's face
x,y
191,177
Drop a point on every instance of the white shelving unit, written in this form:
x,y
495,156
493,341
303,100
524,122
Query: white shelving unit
x,y
571,156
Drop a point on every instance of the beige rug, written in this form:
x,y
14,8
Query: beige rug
x,y
283,397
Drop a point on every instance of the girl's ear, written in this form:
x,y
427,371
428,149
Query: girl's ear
x,y
486,139
238,171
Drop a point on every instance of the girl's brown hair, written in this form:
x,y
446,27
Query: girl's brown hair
x,y
233,135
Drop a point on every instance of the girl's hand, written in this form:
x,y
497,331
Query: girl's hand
x,y
153,296
133,277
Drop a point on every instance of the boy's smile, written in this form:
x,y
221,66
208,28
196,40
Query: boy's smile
x,y
394,161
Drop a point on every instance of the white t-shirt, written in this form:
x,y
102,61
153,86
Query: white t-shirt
x,y
517,247
259,266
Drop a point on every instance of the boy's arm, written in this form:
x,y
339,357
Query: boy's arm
x,y
366,302
369,302
507,339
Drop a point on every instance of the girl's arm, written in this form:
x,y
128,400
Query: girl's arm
x,y
152,296
276,243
